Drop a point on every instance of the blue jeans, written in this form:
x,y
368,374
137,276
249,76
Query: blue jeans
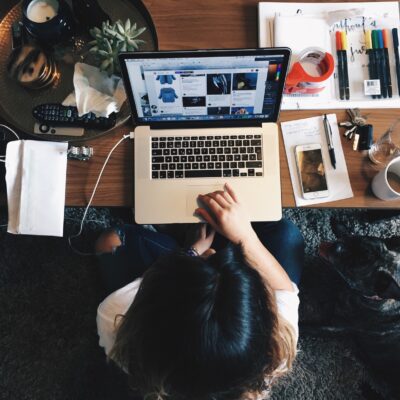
x,y
141,247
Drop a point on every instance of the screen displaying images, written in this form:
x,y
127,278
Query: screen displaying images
x,y
205,88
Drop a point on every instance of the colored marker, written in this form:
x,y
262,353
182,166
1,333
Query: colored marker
x,y
345,67
383,63
387,63
371,56
375,49
395,35
340,64
371,60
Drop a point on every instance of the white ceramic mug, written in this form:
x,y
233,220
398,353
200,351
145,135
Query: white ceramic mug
x,y
386,184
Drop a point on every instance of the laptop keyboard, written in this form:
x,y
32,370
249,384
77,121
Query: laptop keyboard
x,y
225,156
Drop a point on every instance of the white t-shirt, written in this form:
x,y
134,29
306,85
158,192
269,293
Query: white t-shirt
x,y
118,302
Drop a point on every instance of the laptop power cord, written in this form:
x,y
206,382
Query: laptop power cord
x,y
131,135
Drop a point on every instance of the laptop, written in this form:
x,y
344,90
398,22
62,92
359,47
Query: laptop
x,y
204,118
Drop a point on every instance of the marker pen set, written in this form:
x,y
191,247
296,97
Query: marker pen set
x,y
377,44
377,47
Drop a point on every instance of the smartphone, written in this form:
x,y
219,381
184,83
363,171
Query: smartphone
x,y
310,165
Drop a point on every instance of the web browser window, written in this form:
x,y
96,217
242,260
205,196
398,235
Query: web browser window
x,y
206,88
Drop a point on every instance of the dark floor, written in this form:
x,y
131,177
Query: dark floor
x,y
49,296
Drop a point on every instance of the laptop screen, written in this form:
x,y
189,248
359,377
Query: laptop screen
x,y
205,88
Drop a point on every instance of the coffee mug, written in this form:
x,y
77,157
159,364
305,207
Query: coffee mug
x,y
48,21
386,184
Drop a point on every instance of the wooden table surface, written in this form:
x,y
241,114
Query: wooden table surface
x,y
211,24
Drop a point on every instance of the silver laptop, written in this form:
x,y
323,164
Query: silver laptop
x,y
204,118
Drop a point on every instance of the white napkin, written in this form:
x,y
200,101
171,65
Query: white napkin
x,y
95,91
36,177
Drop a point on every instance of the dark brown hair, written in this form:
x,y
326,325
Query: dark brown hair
x,y
202,330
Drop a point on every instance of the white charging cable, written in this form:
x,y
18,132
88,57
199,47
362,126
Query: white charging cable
x,y
14,133
131,135
2,158
10,130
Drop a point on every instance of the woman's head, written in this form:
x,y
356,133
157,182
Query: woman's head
x,y
200,329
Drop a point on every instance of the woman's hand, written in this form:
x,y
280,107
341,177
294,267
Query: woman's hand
x,y
227,215
205,239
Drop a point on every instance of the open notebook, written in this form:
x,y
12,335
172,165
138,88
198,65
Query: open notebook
x,y
302,25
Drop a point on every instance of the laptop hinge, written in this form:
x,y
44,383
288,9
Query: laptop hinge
x,y
209,125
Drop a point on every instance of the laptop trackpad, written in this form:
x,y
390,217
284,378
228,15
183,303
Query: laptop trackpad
x,y
192,193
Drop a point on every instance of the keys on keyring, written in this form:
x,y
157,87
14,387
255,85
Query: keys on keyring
x,y
356,121
346,124
350,132
356,117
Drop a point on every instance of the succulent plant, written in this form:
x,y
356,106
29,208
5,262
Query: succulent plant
x,y
114,38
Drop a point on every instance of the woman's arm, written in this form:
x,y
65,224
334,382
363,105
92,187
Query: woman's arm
x,y
227,216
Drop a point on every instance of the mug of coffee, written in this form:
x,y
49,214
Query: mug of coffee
x,y
48,21
386,184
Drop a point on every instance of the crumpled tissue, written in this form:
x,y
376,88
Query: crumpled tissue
x,y
95,91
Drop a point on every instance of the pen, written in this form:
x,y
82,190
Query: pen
x,y
329,141
387,63
340,64
383,63
396,55
345,67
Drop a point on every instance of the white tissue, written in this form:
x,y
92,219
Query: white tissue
x,y
95,91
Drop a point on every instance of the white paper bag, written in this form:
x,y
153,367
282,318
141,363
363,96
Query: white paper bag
x,y
36,178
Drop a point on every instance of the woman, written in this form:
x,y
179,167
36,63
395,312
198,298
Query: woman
x,y
213,323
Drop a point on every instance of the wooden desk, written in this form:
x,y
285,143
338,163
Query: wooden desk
x,y
211,24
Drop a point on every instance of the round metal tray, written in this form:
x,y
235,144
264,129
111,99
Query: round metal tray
x,y
16,102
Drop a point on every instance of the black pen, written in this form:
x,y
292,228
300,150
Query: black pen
x,y
329,141
396,55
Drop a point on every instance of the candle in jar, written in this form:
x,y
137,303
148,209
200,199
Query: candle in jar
x,y
40,11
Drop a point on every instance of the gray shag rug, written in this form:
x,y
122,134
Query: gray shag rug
x,y
49,297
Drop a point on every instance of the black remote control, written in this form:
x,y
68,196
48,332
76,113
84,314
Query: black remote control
x,y
58,115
